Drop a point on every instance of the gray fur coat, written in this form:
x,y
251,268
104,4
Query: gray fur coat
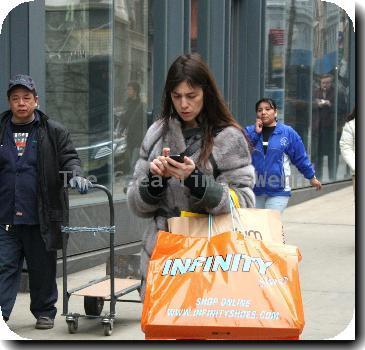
x,y
233,159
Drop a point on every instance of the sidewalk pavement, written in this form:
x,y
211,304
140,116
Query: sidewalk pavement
x,y
324,230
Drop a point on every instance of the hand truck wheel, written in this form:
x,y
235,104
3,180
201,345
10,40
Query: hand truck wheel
x,y
108,328
73,325
93,305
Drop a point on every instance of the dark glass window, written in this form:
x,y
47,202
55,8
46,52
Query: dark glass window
x,y
307,44
96,67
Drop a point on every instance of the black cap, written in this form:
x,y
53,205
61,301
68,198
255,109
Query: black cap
x,y
22,80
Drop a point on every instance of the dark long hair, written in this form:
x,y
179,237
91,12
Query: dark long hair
x,y
351,115
270,101
215,113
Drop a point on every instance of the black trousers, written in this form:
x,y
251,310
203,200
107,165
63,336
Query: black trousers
x,y
25,241
326,146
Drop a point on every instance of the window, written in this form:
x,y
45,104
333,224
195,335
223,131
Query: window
x,y
93,51
130,89
78,61
307,41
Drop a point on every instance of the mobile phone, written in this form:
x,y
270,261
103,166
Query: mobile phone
x,y
177,157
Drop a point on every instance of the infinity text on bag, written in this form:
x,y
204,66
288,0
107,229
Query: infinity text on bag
x,y
232,263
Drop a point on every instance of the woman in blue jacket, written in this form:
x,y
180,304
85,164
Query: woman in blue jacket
x,y
276,145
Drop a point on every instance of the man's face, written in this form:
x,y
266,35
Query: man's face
x,y
22,103
326,83
130,92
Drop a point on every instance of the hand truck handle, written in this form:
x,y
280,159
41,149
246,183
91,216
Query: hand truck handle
x,y
110,200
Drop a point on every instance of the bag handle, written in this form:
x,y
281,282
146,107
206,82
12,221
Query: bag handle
x,y
233,204
233,196
234,212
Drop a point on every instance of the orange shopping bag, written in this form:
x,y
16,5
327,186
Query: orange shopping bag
x,y
264,224
225,287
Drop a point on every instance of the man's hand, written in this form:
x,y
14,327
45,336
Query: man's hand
x,y
315,183
321,103
82,184
259,125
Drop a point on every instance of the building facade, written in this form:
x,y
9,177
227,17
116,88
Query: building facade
x,y
91,58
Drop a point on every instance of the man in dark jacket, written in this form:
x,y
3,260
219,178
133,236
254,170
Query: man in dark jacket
x,y
133,120
37,159
327,126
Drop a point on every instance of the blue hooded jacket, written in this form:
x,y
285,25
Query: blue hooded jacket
x,y
273,168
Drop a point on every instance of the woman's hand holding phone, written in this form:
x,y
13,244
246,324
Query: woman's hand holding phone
x,y
179,166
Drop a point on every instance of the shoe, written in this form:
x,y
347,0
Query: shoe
x,y
6,319
44,322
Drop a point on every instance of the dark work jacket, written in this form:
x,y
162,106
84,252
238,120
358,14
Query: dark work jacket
x,y
55,154
324,118
18,179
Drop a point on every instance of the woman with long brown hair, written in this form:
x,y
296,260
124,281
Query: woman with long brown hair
x,y
191,156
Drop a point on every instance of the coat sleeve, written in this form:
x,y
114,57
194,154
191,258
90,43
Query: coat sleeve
x,y
233,158
251,133
140,201
347,142
298,155
68,158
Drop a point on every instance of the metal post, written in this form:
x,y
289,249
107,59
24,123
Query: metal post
x,y
111,210
64,272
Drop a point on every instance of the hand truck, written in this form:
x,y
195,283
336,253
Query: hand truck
x,y
95,292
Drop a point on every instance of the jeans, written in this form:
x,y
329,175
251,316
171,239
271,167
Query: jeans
x,y
25,241
275,202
